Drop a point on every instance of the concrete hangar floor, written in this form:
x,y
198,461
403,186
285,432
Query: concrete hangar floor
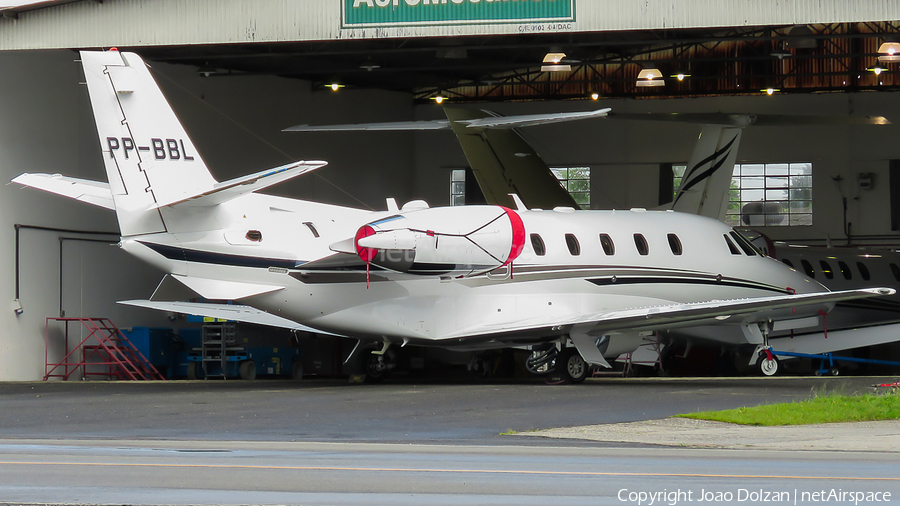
x,y
405,442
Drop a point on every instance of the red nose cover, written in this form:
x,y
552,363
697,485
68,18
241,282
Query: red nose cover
x,y
366,254
518,235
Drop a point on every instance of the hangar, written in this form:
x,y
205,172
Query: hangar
x,y
240,71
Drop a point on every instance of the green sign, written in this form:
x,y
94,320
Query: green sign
x,y
362,13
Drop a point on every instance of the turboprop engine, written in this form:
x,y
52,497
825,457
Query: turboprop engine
x,y
444,241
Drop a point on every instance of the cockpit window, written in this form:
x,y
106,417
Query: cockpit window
x,y
826,269
538,244
808,268
787,262
641,243
674,244
572,243
608,247
731,246
745,245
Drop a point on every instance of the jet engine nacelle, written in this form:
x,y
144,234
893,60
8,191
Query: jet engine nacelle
x,y
444,241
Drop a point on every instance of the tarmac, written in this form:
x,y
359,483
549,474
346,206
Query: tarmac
x,y
878,436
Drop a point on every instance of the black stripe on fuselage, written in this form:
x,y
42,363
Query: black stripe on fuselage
x,y
208,257
645,280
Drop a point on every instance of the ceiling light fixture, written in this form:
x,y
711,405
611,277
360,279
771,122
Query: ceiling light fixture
x,y
335,86
650,77
681,76
877,69
770,91
439,99
370,65
552,62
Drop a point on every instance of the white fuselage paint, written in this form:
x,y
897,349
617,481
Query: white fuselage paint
x,y
432,310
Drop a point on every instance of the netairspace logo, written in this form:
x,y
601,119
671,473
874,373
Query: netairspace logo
x,y
742,495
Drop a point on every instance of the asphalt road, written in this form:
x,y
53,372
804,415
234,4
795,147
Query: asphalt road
x,y
400,411
402,442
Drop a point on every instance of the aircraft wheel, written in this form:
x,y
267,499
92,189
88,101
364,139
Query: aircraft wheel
x,y
297,371
193,371
376,369
248,370
767,367
834,371
571,365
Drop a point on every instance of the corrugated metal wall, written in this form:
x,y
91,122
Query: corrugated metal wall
x,y
184,22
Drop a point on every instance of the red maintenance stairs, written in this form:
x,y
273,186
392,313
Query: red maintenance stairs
x,y
102,350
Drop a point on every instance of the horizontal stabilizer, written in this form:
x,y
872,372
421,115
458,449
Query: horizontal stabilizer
x,y
227,190
245,314
493,122
438,124
505,122
92,192
743,119
216,289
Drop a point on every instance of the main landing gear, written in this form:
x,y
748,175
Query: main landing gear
x,y
568,363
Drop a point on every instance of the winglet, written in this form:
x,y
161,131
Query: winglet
x,y
520,206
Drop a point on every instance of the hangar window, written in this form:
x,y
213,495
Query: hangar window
x,y
538,245
845,270
808,268
770,194
607,243
577,181
826,269
572,244
458,187
863,271
641,243
674,244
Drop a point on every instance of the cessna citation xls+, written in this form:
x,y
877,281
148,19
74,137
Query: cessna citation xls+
x,y
573,286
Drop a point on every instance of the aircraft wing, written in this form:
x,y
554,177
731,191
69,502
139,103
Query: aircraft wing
x,y
244,314
737,311
92,192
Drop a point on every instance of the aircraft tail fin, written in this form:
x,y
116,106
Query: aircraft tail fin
x,y
149,158
503,163
706,183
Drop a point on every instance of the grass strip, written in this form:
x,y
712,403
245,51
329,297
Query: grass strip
x,y
825,409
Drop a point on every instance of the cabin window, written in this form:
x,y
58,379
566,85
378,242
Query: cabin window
x,y
254,236
641,243
674,244
895,271
745,245
770,194
731,246
845,270
607,243
312,228
538,245
808,268
787,262
576,181
572,243
826,269
863,271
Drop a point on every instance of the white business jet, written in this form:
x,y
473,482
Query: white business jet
x,y
573,286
